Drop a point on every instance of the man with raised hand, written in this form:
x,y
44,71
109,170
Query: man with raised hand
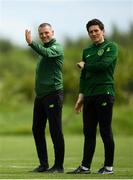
x,y
49,97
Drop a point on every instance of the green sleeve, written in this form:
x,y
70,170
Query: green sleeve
x,y
82,79
107,58
53,51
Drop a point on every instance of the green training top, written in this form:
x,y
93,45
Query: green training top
x,y
97,75
49,68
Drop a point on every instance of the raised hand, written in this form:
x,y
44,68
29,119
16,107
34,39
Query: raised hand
x,y
28,36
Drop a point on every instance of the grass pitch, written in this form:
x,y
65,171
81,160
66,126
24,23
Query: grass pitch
x,y
18,158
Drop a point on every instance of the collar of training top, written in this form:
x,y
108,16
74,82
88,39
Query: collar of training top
x,y
49,43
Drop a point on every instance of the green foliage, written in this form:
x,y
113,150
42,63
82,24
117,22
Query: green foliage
x,y
16,75
17,119
5,46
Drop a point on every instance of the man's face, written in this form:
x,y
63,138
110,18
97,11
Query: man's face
x,y
96,34
46,34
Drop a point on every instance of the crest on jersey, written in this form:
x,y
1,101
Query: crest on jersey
x,y
100,52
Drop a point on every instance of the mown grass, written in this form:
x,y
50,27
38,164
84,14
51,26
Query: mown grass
x,y
18,158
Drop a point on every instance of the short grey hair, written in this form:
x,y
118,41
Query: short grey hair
x,y
44,25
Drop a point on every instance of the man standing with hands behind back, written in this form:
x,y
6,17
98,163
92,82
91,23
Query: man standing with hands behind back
x,y
97,96
49,97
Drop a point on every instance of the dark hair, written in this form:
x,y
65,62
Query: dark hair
x,y
95,22
44,25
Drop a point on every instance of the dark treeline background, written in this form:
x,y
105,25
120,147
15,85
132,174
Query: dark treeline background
x,y
17,68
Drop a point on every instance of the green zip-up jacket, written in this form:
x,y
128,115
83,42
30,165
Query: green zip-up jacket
x,y
97,75
49,68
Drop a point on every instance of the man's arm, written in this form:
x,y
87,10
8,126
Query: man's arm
x,y
79,103
53,51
